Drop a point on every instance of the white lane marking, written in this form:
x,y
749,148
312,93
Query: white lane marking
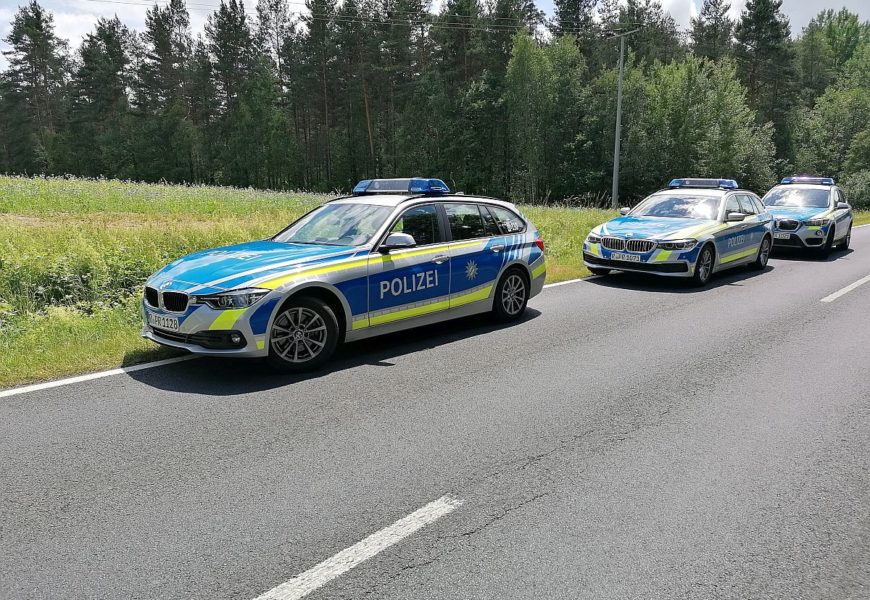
x,y
860,226
321,574
846,289
53,384
558,283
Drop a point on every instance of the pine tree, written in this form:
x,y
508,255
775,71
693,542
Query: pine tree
x,y
33,88
766,66
95,138
572,17
712,30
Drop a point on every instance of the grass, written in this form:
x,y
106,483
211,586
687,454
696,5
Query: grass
x,y
74,254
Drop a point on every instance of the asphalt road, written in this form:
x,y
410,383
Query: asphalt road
x,y
631,438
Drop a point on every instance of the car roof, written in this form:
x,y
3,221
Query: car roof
x,y
394,200
698,191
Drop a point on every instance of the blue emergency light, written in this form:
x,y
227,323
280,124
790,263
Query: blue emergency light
x,y
805,179
694,182
411,185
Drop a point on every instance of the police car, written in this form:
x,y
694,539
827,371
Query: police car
x,y
810,212
693,229
398,253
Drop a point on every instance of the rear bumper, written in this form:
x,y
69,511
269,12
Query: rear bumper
x,y
668,269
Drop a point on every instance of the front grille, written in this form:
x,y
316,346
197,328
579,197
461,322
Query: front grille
x,y
678,267
612,243
151,297
175,301
787,224
639,245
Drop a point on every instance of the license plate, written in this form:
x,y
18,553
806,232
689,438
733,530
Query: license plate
x,y
625,257
782,236
163,322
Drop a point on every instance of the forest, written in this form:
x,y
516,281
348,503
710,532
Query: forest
x,y
491,95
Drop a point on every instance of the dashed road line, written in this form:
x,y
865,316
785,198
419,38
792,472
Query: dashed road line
x,y
846,290
322,573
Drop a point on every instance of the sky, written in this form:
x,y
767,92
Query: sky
x,y
74,18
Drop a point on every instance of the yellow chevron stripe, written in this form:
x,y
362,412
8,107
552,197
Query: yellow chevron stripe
x,y
468,298
409,312
737,255
663,255
227,319
595,249
539,270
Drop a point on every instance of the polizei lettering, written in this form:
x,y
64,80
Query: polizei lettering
x,y
409,283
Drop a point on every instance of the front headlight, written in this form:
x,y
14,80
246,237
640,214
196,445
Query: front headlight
x,y
687,244
817,222
593,238
235,299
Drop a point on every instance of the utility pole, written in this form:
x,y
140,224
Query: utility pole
x,y
614,194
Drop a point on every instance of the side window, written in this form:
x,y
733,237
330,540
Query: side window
x,y
841,197
465,221
759,207
746,205
489,221
507,221
732,205
422,223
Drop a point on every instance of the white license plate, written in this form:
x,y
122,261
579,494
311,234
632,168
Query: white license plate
x,y
625,257
782,236
163,322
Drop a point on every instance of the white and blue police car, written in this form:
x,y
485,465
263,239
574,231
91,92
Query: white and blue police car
x,y
396,254
692,229
810,212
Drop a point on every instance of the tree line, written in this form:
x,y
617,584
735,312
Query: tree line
x,y
487,94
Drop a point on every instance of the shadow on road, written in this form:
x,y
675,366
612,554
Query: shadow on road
x,y
675,285
808,254
217,376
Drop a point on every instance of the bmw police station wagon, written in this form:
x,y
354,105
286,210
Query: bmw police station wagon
x,y
398,253
693,229
810,212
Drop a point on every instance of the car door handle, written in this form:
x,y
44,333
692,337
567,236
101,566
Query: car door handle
x,y
498,248
441,259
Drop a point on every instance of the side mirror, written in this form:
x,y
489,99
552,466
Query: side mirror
x,y
843,206
624,210
734,217
397,241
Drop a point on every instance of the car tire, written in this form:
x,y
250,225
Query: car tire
x,y
303,335
704,266
511,296
599,271
826,248
844,243
760,261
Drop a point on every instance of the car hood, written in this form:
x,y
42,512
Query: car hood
x,y
231,267
799,213
658,228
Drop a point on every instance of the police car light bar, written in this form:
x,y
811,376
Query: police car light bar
x,y
804,179
692,182
412,185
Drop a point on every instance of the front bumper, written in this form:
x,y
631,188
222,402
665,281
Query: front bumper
x,y
204,330
803,237
656,262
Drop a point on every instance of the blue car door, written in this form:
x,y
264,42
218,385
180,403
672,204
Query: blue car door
x,y
477,252
412,282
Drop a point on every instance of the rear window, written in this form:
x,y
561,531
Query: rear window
x,y
465,221
508,221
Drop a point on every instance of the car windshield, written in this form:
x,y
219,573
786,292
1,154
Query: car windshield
x,y
678,206
337,225
803,197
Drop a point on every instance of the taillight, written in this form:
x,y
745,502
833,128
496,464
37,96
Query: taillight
x,y
538,241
